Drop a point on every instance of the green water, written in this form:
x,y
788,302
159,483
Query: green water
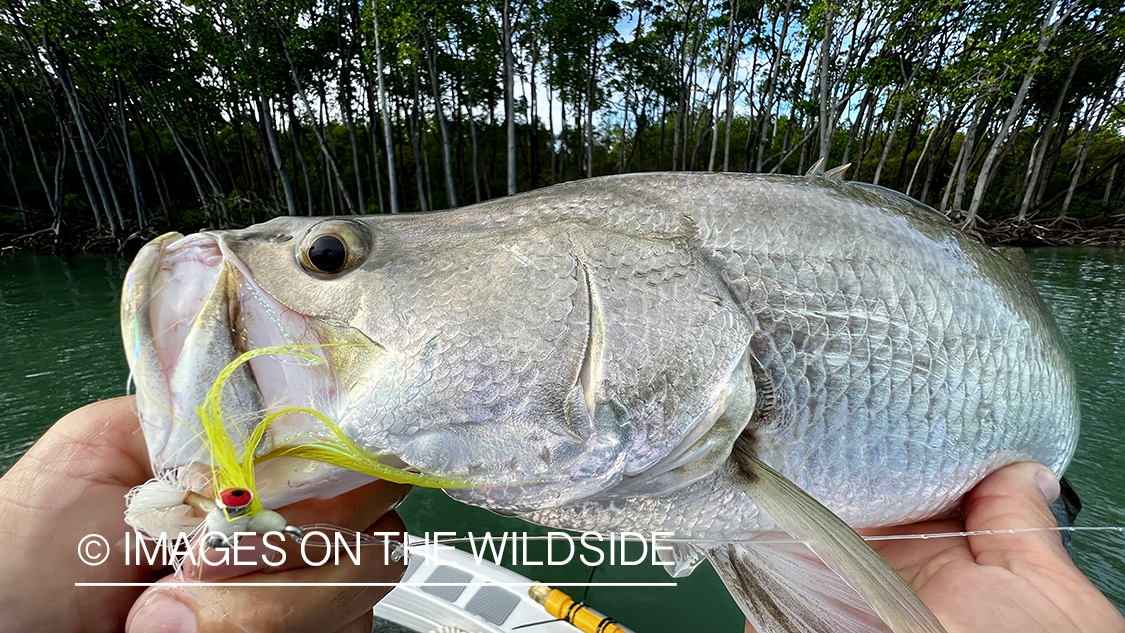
x,y
60,349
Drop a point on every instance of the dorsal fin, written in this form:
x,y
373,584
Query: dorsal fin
x,y
837,173
817,168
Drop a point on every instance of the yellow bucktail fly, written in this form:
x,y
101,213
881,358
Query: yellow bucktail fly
x,y
230,471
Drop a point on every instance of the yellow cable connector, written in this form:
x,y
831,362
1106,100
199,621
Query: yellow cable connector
x,y
561,606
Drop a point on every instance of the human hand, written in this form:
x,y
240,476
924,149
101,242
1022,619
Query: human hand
x,y
73,483
1023,583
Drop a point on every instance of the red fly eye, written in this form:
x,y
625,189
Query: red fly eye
x,y
236,497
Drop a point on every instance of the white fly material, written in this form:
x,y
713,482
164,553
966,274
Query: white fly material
x,y
157,507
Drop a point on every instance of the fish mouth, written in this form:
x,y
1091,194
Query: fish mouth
x,y
189,308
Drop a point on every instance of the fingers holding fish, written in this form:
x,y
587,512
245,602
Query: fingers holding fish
x,y
1032,579
1030,582
331,597
1015,498
68,489
102,432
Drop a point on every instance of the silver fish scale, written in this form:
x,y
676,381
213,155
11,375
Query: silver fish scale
x,y
482,360
906,360
711,508
646,364
663,348
943,392
633,211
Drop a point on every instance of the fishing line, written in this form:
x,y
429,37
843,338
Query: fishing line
x,y
789,540
771,540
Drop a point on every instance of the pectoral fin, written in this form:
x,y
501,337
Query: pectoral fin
x,y
841,549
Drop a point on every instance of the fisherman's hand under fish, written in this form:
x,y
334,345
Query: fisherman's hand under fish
x,y
722,357
72,483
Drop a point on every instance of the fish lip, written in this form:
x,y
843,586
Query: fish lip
x,y
165,344
138,292
138,336
184,299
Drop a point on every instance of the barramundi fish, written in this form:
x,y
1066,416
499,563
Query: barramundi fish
x,y
717,356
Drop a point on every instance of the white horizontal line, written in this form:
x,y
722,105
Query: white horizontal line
x,y
372,584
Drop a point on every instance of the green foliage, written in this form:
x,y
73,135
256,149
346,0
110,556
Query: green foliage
x,y
171,96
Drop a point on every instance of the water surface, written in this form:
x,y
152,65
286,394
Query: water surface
x,y
60,348
60,342
1085,289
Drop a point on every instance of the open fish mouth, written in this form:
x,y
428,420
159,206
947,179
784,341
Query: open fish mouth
x,y
189,308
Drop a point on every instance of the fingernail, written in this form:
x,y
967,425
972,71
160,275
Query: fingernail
x,y
162,614
1048,484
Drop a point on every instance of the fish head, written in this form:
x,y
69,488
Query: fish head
x,y
445,345
190,306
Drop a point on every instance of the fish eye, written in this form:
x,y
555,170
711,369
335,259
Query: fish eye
x,y
328,254
333,247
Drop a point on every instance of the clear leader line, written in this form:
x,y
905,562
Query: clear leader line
x,y
371,584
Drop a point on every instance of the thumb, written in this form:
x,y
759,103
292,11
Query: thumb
x,y
1016,497
331,597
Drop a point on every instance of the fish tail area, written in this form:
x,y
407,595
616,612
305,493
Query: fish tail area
x,y
1066,509
801,600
